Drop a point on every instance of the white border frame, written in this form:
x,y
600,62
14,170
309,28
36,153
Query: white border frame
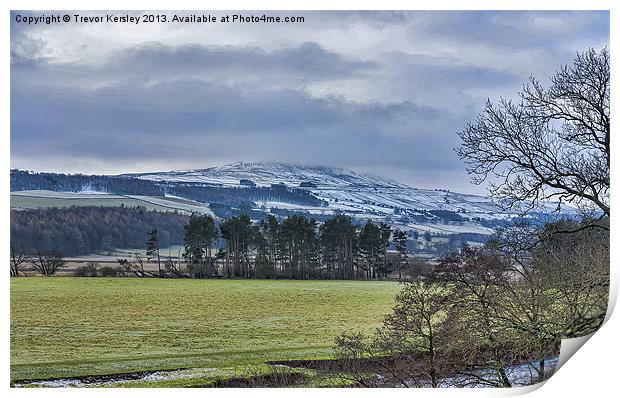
x,y
592,371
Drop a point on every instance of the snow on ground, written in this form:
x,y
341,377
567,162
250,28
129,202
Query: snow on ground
x,y
86,198
358,195
450,228
119,380
194,207
67,195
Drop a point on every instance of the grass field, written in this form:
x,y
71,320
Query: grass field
x,y
68,327
47,199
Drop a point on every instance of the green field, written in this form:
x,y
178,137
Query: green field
x,y
32,202
67,327
48,199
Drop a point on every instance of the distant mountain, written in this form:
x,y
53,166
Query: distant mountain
x,y
344,191
268,173
281,189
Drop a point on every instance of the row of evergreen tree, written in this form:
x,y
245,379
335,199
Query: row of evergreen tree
x,y
295,248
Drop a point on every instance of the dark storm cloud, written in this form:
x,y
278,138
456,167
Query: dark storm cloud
x,y
176,115
154,60
374,91
308,60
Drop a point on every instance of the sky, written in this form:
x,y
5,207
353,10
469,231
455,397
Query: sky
x,y
382,93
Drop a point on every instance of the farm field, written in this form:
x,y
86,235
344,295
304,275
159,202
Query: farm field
x,y
66,327
46,199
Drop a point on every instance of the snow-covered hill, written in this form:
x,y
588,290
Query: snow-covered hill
x,y
267,173
359,195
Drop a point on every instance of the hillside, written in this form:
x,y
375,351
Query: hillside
x,y
271,188
345,191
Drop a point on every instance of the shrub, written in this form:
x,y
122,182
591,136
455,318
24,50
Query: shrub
x,y
90,269
108,271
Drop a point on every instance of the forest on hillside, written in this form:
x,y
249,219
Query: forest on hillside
x,y
242,196
77,231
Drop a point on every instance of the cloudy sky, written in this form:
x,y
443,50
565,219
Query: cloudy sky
x,y
383,93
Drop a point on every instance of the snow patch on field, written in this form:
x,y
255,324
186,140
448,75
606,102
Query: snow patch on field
x,y
119,380
66,195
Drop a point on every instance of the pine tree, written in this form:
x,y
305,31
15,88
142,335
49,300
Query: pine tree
x,y
199,235
400,239
386,233
152,248
371,246
237,231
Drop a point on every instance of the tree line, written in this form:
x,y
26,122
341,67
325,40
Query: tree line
x,y
75,231
22,180
296,247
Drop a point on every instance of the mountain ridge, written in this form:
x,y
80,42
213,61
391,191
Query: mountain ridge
x,y
270,172
283,189
348,192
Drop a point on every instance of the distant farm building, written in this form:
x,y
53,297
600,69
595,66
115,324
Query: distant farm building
x,y
307,184
247,183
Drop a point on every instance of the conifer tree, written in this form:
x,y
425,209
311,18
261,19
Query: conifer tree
x,y
152,248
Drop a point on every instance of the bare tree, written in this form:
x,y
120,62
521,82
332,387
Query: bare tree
x,y
554,144
124,267
173,268
17,259
90,269
137,267
522,293
48,264
410,347
413,328
475,277
576,266
484,311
